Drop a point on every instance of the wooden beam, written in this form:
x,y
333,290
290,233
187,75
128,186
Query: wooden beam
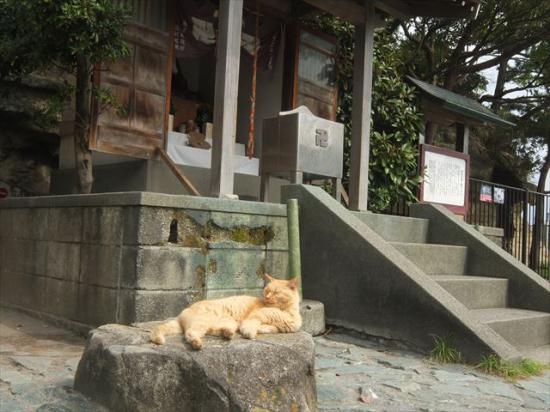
x,y
353,12
395,8
225,98
179,175
361,111
347,10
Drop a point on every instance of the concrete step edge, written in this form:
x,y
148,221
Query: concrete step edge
x,y
467,278
493,315
427,245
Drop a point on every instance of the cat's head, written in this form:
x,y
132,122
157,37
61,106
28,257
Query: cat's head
x,y
281,293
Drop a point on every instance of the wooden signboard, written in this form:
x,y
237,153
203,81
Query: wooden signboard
x,y
141,85
446,178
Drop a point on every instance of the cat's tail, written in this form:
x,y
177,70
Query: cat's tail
x,y
172,327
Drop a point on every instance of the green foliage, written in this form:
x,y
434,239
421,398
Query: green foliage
x,y
513,39
494,365
40,34
396,122
444,351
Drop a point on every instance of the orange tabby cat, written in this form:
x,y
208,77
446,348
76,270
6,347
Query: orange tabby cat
x,y
278,311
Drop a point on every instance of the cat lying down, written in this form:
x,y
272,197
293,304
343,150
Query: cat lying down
x,y
277,312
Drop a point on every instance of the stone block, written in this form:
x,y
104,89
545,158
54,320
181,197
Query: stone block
x,y
276,264
162,267
223,293
69,224
102,225
63,260
100,265
147,225
279,226
22,224
96,305
123,371
23,290
6,224
313,317
62,224
230,220
32,257
12,254
144,306
235,269
61,298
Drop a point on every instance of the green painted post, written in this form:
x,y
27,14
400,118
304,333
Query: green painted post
x,y
294,261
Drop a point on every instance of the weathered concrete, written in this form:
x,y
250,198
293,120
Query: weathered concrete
x,y
125,174
435,259
367,285
528,290
129,257
396,228
122,370
476,292
313,317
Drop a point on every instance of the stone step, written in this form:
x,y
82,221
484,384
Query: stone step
x,y
396,228
540,354
476,292
435,259
524,329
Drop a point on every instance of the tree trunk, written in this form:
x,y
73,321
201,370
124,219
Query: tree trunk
x,y
83,155
534,255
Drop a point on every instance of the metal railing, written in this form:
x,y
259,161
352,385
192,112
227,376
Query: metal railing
x,y
522,214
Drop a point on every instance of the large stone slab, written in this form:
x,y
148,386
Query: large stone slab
x,y
123,371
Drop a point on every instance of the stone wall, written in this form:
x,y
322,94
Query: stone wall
x,y
132,257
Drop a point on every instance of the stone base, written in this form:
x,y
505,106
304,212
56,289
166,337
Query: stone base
x,y
123,371
313,317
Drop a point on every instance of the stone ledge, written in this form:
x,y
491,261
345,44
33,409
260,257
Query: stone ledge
x,y
147,199
123,371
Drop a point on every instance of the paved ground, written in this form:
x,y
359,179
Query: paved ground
x,y
358,375
38,361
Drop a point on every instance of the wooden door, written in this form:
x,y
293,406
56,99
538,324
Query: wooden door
x,y
310,73
141,85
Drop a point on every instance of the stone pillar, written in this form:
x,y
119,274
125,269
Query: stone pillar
x,y
225,99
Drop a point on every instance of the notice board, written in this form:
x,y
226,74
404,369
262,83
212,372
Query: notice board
x,y
446,177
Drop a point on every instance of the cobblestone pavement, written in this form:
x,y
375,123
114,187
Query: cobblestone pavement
x,y
37,366
357,375
38,362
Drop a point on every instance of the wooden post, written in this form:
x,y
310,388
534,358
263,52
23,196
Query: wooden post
x,y
225,98
361,111
462,138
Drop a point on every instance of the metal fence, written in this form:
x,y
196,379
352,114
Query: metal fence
x,y
522,214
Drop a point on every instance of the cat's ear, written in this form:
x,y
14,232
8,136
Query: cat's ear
x,y
293,283
267,278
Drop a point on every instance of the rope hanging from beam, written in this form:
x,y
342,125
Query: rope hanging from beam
x,y
251,129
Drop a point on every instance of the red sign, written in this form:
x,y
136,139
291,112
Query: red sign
x,y
4,190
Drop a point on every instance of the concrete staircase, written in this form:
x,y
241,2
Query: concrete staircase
x,y
486,297
414,278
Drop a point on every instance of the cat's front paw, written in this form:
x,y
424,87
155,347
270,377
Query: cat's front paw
x,y
248,332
